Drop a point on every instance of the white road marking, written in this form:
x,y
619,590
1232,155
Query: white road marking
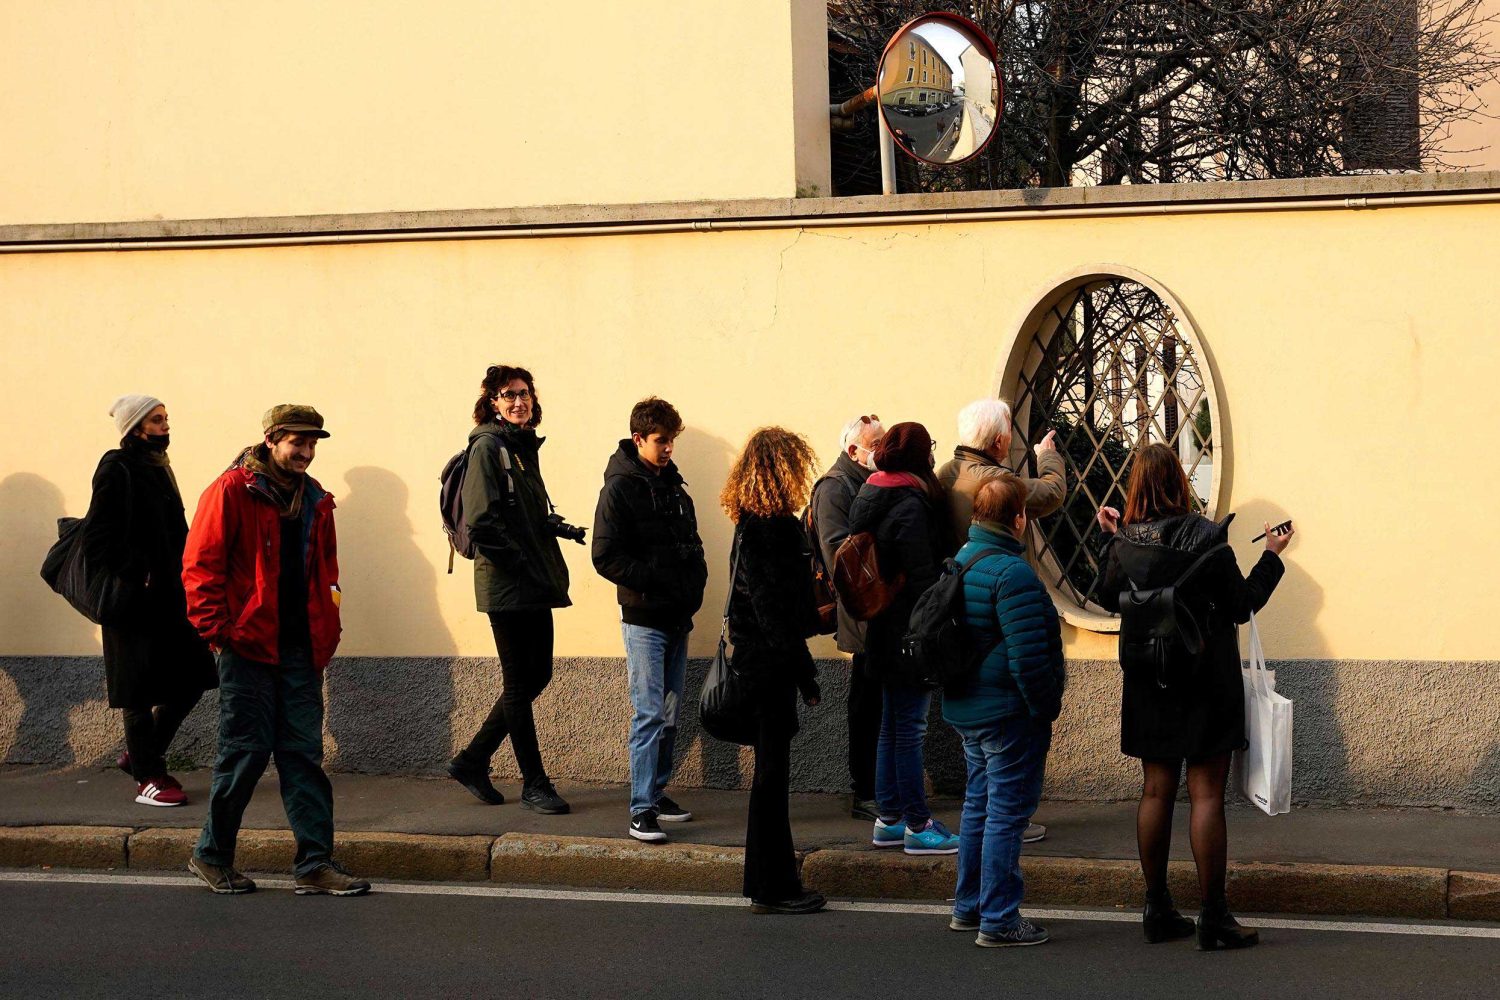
x,y
672,899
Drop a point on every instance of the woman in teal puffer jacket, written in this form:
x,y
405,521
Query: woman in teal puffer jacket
x,y
1004,715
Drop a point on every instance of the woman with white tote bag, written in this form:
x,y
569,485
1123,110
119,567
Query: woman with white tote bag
x,y
1173,577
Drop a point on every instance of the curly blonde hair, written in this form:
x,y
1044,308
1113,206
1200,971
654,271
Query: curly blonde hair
x,y
772,475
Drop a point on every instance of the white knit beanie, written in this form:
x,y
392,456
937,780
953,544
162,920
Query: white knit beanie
x,y
131,410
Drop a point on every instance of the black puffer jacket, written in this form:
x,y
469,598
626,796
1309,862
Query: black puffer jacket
x,y
136,529
518,565
911,537
646,542
771,613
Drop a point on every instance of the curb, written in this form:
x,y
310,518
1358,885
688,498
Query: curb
x,y
610,863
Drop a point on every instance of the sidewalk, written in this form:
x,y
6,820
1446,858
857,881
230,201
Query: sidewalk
x,y
1376,862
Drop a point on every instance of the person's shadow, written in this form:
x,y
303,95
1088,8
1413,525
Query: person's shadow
x,y
701,760
51,677
390,691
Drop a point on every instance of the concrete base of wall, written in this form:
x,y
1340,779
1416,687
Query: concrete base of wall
x,y
1365,732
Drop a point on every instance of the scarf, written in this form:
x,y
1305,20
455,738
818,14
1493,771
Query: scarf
x,y
287,488
152,450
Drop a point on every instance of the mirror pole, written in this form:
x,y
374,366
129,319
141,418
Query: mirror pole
x,y
887,161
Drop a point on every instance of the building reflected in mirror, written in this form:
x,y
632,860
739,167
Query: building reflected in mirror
x,y
939,90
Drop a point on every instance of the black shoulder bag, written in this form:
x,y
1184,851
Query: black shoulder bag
x,y
1158,632
726,708
102,597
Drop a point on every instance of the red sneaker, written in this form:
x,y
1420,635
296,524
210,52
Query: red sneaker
x,y
123,762
157,793
167,781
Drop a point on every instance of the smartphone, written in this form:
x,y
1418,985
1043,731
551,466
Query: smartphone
x,y
1276,529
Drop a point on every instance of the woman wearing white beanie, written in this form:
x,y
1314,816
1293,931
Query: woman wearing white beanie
x,y
156,667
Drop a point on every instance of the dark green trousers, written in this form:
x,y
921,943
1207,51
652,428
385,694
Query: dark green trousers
x,y
270,711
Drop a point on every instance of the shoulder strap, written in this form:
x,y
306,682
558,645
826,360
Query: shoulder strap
x,y
976,557
734,572
1198,563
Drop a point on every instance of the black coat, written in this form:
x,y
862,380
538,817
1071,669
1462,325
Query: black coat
x,y
1201,715
911,537
771,614
832,496
136,528
518,565
646,542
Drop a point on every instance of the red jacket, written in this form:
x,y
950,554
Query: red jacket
x,y
232,563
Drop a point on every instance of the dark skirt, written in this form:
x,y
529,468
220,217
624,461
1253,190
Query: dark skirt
x,y
159,663
1196,717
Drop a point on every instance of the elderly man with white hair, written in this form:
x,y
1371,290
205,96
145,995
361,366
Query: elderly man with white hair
x,y
832,495
983,454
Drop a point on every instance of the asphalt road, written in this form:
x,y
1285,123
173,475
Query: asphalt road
x,y
121,936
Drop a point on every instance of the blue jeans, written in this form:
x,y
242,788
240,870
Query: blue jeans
x,y
900,775
656,661
1006,761
269,711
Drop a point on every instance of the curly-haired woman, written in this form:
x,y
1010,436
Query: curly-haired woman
x,y
770,618
519,578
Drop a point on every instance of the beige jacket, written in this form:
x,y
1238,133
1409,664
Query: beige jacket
x,y
970,469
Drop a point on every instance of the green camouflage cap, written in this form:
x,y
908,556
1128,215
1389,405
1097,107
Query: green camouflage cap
x,y
294,417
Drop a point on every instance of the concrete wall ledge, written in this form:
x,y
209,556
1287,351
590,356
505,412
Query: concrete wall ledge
x,y
611,863
809,210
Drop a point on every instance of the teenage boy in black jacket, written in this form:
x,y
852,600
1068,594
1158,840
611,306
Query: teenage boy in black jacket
x,y
646,543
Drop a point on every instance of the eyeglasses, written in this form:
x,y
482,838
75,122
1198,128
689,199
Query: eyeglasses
x,y
511,395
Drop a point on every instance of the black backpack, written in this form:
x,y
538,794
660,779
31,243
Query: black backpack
x,y
1159,633
939,649
451,501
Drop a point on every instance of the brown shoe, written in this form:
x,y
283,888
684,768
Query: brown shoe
x,y
331,879
220,878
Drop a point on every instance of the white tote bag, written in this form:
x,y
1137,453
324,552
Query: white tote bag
x,y
1263,770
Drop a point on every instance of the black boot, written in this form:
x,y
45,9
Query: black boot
x,y
1217,929
1162,922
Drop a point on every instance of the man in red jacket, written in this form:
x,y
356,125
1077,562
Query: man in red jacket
x,y
262,579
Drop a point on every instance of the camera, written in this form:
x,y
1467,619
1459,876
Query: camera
x,y
562,529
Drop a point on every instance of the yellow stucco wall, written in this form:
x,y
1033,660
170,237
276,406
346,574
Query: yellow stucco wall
x,y
1352,351
145,109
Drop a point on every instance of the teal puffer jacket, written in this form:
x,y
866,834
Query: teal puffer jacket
x,y
1012,615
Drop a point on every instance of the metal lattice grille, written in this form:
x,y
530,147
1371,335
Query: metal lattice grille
x,y
1111,369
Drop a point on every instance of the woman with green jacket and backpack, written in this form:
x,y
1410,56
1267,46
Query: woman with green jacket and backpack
x,y
519,578
1004,713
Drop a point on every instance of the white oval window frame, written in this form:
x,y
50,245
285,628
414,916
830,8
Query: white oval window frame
x,y
1013,358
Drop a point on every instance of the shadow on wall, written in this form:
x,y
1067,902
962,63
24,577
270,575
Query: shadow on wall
x,y
45,698
1320,745
392,713
704,461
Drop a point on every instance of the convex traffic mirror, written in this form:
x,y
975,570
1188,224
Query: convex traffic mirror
x,y
939,90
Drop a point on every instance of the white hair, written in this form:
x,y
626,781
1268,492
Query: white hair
x,y
982,421
852,432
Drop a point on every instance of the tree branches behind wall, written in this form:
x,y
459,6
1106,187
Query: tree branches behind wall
x,y
1159,91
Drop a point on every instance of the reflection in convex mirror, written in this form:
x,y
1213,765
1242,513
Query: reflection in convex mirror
x,y
940,93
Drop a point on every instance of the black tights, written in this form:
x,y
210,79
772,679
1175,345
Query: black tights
x,y
1153,822
148,734
524,641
